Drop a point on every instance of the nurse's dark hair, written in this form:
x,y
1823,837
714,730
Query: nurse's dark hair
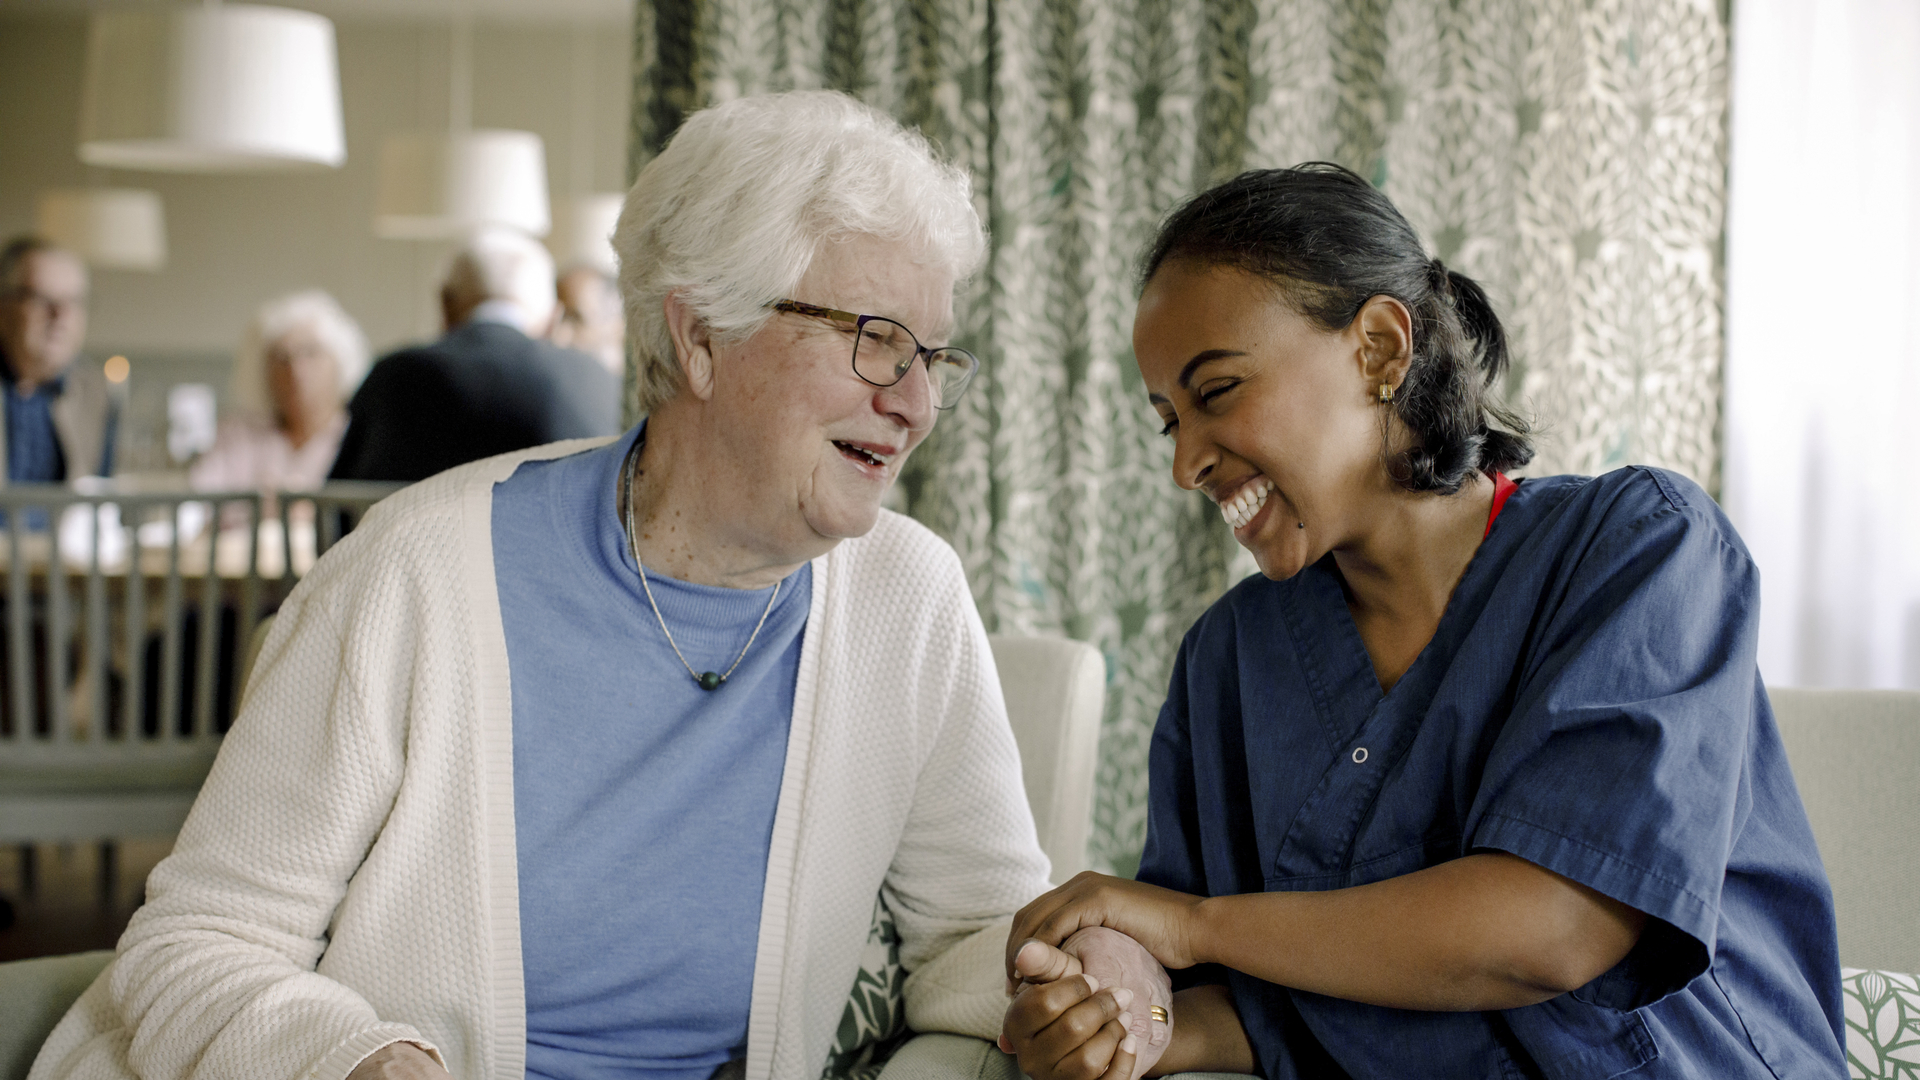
x,y
1331,241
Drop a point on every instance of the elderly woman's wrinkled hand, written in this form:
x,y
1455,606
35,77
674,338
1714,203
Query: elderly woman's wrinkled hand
x,y
1118,960
399,1061
1114,960
1066,1025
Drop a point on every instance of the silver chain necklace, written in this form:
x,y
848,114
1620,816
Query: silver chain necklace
x,y
706,680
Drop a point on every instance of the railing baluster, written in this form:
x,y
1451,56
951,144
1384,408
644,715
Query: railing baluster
x,y
98,721
20,627
133,694
285,508
326,518
210,617
59,635
170,615
249,598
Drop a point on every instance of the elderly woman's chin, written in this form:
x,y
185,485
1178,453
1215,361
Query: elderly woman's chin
x,y
844,501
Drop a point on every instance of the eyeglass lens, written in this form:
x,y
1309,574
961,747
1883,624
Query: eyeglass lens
x,y
884,350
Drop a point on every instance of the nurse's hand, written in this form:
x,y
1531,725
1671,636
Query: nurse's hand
x,y
1067,1025
1159,919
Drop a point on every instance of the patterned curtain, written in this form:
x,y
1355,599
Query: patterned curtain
x,y
1570,154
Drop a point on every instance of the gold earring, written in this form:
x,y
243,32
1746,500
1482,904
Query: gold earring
x,y
1386,394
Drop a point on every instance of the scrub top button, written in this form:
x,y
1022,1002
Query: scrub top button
x,y
1359,755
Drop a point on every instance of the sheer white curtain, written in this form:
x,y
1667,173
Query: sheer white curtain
x,y
1823,355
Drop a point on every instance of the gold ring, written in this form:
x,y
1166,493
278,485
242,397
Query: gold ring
x,y
1157,1012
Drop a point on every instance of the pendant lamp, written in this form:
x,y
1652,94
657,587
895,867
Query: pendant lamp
x,y
218,88
444,186
585,234
109,228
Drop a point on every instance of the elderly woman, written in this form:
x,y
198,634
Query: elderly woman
x,y
1478,778
592,759
299,361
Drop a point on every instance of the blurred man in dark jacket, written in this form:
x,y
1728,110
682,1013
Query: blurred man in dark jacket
x,y
488,386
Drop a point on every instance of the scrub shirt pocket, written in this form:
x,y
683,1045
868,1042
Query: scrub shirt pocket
x,y
1572,1040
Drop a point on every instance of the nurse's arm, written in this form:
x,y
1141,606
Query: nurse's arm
x,y
1488,931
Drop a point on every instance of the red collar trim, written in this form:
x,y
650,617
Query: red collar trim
x,y
1502,487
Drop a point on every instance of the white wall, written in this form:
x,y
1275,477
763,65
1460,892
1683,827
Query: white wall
x,y
235,241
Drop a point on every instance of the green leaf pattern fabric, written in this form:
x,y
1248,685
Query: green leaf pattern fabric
x,y
1883,1024
875,1021
1570,154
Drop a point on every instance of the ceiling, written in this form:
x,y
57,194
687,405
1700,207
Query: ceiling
x,y
551,12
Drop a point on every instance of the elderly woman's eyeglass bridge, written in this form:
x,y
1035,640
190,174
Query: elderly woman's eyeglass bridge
x,y
884,351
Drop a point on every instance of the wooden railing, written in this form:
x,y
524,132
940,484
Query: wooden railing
x,y
125,623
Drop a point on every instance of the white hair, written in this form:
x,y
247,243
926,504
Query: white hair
x,y
247,391
505,264
732,212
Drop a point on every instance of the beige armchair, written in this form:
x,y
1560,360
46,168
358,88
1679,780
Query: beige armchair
x,y
1856,759
1056,690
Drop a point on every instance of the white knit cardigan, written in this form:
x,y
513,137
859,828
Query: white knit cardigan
x,y
347,878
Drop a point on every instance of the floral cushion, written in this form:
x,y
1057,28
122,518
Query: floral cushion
x,y
874,1024
1883,1024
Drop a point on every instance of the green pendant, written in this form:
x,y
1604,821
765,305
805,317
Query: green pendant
x,y
710,680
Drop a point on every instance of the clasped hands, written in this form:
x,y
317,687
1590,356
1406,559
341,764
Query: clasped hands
x,y
1085,964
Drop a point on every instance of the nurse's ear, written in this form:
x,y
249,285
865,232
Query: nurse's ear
x,y
1386,349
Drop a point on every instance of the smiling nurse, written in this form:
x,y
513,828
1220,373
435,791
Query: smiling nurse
x,y
1476,779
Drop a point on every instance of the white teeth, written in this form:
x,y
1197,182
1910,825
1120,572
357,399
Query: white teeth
x,y
1246,503
871,457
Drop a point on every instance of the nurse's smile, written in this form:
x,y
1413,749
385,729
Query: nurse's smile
x,y
1245,504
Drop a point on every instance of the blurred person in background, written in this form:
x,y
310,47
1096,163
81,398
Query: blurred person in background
x,y
300,360
490,385
590,318
61,418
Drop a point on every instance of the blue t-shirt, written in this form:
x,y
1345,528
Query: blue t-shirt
x,y
1589,703
643,805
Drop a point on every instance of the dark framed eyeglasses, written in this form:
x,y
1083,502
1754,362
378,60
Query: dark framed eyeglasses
x,y
884,351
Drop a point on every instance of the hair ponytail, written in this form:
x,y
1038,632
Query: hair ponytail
x,y
1503,433
1332,242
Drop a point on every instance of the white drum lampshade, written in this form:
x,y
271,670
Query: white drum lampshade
x,y
220,88
109,228
442,186
584,235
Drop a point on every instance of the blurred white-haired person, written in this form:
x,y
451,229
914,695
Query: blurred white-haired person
x,y
593,759
299,361
489,385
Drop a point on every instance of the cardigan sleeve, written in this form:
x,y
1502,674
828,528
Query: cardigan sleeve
x,y
969,857
216,973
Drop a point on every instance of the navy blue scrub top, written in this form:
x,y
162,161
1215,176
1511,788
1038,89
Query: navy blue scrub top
x,y
1589,703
